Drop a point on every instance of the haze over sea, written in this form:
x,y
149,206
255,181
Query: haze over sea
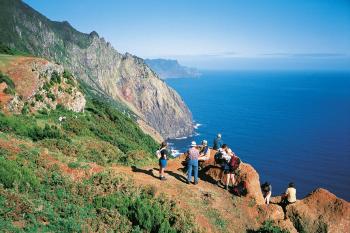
x,y
290,125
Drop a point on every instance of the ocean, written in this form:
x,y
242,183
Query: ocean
x,y
289,125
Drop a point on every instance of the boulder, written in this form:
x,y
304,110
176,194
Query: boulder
x,y
212,172
320,211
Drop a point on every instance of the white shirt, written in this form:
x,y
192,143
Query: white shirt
x,y
225,156
291,195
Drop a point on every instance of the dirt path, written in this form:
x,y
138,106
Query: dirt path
x,y
214,208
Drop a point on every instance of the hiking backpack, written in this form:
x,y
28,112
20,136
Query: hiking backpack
x,y
218,157
235,162
240,189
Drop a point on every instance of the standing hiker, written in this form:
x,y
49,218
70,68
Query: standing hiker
x,y
233,166
218,142
162,155
192,163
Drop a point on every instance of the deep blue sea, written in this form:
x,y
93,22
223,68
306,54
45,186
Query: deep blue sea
x,y
291,126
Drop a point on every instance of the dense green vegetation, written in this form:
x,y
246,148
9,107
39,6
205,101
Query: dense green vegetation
x,y
34,198
268,227
101,134
10,89
4,49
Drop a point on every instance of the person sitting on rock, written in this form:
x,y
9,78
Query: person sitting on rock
x,y
192,163
204,152
266,189
218,142
289,197
163,154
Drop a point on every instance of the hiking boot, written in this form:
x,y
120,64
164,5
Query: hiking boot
x,y
195,183
226,187
163,178
188,182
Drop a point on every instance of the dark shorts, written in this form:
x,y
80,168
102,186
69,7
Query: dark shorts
x,y
162,163
225,167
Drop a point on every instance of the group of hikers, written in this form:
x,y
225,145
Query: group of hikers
x,y
229,163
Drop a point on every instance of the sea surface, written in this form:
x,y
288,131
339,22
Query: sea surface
x,y
291,126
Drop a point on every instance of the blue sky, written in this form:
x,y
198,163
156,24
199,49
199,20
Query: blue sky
x,y
209,34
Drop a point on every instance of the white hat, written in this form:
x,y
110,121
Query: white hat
x,y
193,144
205,142
219,135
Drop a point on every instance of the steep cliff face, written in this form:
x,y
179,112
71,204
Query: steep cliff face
x,y
125,78
37,85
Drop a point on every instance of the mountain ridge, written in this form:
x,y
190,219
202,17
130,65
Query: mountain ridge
x,y
122,77
171,68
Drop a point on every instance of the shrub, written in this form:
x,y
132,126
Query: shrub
x,y
55,77
11,173
9,91
51,96
47,86
25,109
6,79
268,227
4,49
39,97
69,90
74,165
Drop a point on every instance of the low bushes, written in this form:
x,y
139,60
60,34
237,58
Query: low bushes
x,y
12,174
10,89
106,202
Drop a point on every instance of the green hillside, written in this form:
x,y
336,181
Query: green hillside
x,y
47,178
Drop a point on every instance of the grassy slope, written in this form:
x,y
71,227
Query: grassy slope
x,y
37,196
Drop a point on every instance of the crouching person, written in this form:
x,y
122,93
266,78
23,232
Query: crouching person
x,y
266,189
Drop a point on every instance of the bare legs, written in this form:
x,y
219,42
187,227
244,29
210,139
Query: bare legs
x,y
230,177
161,173
267,198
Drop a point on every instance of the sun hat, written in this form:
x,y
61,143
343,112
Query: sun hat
x,y
205,142
219,135
193,144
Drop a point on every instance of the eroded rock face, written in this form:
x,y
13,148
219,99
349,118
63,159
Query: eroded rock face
x,y
246,173
320,211
35,88
125,78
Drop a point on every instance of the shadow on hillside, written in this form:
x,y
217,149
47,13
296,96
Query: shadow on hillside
x,y
177,176
147,172
203,174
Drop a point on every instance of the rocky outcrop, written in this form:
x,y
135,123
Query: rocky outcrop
x,y
246,173
320,211
125,78
39,85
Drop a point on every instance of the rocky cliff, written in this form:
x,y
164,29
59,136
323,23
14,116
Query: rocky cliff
x,y
123,77
320,211
167,68
33,84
